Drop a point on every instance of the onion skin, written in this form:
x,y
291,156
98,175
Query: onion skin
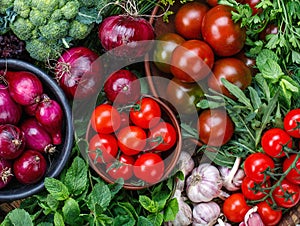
x,y
126,31
5,172
12,141
11,112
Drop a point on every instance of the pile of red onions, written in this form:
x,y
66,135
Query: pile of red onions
x,y
30,128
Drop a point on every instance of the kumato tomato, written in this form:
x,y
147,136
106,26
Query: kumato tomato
x,y
268,215
253,5
294,175
286,194
188,19
218,29
291,123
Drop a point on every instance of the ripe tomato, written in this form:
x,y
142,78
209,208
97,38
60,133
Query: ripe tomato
x,y
145,113
105,119
253,4
291,123
122,168
274,140
131,140
234,71
162,137
255,165
149,167
270,29
268,215
253,190
218,29
164,47
249,61
294,175
235,207
192,61
103,148
215,127
188,19
286,194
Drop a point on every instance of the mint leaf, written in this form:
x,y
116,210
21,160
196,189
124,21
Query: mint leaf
x,y
17,217
100,195
171,210
143,221
124,220
52,202
45,224
56,188
58,219
271,70
161,199
71,212
104,220
148,204
263,56
156,219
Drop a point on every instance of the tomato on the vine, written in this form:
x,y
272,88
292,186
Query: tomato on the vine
x,y
294,174
268,215
235,207
253,190
291,123
274,140
121,168
286,194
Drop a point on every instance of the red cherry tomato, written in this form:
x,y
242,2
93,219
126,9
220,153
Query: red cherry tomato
x,y
146,113
192,61
162,137
122,168
103,148
235,207
268,215
105,119
292,123
294,175
149,167
256,164
188,19
253,190
286,194
131,140
253,5
274,140
215,127
218,29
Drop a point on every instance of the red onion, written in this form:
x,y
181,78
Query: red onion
x,y
30,109
50,115
10,111
30,167
5,172
128,32
24,87
37,138
12,141
72,66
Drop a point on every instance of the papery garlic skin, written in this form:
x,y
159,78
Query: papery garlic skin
x,y
185,163
206,214
252,218
234,182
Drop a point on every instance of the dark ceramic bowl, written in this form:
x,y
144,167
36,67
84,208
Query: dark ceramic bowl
x,y
57,161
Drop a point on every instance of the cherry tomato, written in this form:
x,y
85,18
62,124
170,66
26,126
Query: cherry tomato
x,y
149,167
291,123
234,71
164,47
294,175
122,168
105,119
270,29
218,29
184,96
162,137
188,19
253,190
286,194
274,140
192,61
131,140
255,164
235,207
145,113
215,127
268,215
249,61
103,148
253,4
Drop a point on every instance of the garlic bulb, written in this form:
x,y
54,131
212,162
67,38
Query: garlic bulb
x,y
185,163
204,183
206,214
252,218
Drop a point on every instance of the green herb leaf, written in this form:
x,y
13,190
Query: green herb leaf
x,y
171,210
56,188
17,217
89,16
143,221
125,220
58,219
52,202
45,224
71,212
271,70
148,204
100,195
104,220
156,219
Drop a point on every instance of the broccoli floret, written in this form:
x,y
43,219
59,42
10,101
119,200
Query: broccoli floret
x,y
22,7
5,5
61,3
56,15
70,9
43,51
38,18
45,5
22,28
79,30
55,30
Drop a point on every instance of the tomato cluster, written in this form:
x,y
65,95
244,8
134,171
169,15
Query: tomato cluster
x,y
132,144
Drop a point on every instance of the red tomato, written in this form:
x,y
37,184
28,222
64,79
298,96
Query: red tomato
x,y
149,167
235,207
145,113
218,29
105,119
270,29
188,19
122,168
255,165
274,140
103,148
294,175
291,123
253,190
192,61
268,215
286,194
234,71
131,140
162,137
215,127
253,4
249,61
